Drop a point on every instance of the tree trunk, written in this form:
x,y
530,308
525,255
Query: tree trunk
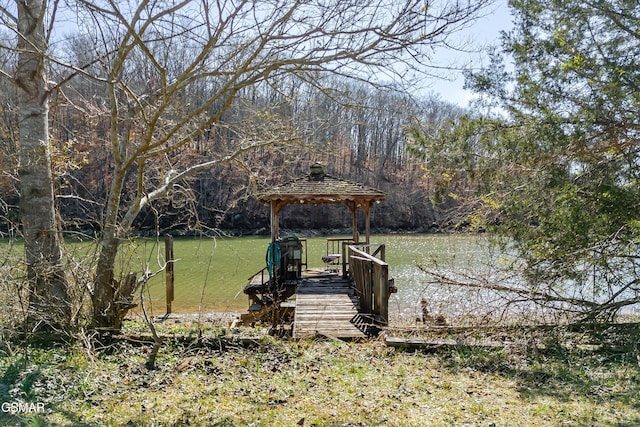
x,y
107,308
49,303
104,288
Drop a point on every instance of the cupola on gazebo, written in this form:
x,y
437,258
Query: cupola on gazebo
x,y
319,188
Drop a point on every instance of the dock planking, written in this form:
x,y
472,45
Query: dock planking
x,y
328,306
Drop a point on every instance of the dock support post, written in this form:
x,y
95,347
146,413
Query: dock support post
x,y
168,254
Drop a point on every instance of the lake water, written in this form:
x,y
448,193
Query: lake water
x,y
210,274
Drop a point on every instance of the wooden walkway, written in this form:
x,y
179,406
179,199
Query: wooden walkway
x,y
327,306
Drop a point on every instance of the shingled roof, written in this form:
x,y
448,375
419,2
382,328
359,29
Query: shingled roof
x,y
318,187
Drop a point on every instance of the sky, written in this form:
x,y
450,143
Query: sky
x,y
485,31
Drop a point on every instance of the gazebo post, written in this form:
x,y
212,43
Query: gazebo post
x,y
367,224
353,207
275,219
356,237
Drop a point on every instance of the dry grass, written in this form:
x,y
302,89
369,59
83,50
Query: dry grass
x,y
315,382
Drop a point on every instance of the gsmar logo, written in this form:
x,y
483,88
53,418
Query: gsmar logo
x,y
22,407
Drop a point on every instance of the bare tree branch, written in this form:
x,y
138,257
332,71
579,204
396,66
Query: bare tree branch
x,y
529,294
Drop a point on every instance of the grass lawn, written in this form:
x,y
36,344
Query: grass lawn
x,y
278,382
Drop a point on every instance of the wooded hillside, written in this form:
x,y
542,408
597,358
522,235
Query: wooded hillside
x,y
358,132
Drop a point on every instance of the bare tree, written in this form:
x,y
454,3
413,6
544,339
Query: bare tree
x,y
48,295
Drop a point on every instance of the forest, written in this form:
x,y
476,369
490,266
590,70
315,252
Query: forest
x,y
142,119
358,132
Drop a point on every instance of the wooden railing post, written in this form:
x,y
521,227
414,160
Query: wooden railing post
x,y
381,293
346,254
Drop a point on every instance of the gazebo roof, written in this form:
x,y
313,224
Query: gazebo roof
x,y
318,187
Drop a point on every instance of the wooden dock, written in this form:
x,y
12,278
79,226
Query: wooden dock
x,y
328,306
350,305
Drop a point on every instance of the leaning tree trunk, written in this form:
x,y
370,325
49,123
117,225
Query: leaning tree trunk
x,y
111,298
48,298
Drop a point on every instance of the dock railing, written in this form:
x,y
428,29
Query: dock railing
x,y
336,252
370,276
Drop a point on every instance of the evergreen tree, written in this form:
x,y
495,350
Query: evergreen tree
x,y
555,169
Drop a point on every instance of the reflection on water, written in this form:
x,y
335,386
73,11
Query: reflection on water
x,y
459,256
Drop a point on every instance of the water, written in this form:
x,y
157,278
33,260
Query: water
x,y
459,256
210,274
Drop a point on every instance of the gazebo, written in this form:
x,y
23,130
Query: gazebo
x,y
348,305
319,188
